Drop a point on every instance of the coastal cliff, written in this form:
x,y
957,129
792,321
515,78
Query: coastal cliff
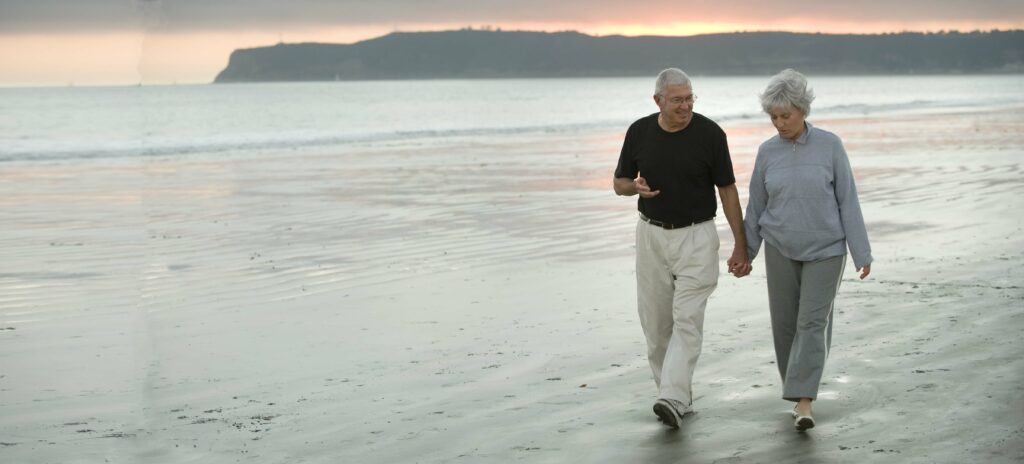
x,y
469,53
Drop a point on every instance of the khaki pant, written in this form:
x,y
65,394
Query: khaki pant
x,y
676,271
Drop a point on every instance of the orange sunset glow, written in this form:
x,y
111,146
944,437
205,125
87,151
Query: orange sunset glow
x,y
129,57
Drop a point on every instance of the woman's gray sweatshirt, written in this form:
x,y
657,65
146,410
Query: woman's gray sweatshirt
x,y
803,200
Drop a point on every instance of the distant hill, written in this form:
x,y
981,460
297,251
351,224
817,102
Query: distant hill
x,y
472,53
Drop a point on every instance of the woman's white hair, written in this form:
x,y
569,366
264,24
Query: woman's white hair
x,y
787,89
670,76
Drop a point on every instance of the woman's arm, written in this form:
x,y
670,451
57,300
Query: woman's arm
x,y
757,201
849,210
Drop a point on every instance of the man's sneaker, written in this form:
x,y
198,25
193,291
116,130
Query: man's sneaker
x,y
670,412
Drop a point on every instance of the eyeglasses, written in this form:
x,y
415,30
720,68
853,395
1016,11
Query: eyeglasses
x,y
689,99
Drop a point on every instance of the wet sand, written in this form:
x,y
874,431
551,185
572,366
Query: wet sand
x,y
476,303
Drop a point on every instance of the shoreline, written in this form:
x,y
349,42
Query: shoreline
x,y
311,310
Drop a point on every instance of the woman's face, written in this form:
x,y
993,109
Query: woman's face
x,y
788,121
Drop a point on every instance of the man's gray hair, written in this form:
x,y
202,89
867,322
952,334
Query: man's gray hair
x,y
787,89
670,76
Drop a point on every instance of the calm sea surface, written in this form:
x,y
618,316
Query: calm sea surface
x,y
78,124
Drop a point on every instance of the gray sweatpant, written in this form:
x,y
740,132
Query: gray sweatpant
x,y
800,297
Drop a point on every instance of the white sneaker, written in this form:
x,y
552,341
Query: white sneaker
x,y
670,412
802,423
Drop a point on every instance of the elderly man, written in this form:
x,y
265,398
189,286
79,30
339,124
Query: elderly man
x,y
673,160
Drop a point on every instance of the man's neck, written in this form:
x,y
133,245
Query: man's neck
x,y
673,128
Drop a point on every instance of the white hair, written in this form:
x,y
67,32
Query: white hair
x,y
787,89
670,76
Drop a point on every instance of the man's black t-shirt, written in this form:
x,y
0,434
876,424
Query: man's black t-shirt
x,y
685,165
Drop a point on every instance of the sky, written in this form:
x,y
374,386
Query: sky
x,y
127,42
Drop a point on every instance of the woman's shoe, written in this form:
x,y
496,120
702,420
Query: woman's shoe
x,y
802,422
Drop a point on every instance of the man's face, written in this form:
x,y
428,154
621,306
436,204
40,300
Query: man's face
x,y
676,105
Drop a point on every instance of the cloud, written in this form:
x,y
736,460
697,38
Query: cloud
x,y
58,16
220,15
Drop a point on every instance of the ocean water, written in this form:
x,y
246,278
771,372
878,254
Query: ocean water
x,y
75,124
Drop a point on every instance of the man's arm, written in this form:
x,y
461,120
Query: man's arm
x,y
739,264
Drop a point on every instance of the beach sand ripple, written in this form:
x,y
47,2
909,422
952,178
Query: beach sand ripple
x,y
476,304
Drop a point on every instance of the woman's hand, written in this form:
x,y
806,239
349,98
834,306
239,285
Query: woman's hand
x,y
864,271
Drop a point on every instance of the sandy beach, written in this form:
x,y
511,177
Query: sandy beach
x,y
476,303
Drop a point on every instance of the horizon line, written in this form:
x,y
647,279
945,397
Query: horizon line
x,y
703,34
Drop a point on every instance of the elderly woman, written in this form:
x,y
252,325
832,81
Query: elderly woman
x,y
803,205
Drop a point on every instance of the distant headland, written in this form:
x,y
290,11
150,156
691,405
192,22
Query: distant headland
x,y
470,53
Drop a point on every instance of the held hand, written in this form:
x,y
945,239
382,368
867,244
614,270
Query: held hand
x,y
643,189
864,271
738,263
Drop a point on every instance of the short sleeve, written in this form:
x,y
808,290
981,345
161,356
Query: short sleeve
x,y
722,173
627,167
